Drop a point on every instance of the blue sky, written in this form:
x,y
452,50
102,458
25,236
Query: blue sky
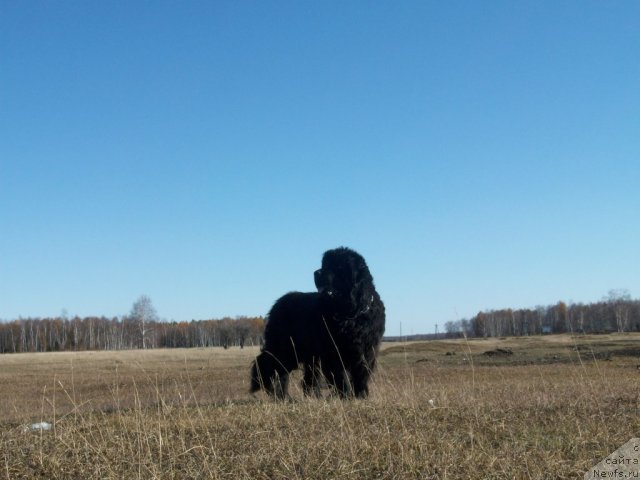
x,y
478,154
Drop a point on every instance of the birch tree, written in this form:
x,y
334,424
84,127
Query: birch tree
x,y
143,313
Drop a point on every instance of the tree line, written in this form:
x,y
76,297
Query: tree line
x,y
617,312
128,332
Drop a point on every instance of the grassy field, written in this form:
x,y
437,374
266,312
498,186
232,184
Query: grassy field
x,y
535,407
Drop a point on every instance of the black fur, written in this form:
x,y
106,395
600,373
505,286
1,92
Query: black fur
x,y
333,333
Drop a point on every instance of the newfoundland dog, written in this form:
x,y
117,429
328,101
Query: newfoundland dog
x,y
333,333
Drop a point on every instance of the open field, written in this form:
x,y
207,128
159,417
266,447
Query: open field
x,y
537,407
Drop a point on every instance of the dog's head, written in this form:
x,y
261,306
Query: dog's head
x,y
344,281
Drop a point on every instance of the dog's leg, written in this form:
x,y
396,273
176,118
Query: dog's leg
x,y
343,382
269,374
262,369
279,385
311,380
360,374
340,382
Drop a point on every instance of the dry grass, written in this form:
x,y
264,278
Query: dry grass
x,y
550,410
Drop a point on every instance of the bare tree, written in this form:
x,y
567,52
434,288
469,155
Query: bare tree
x,y
143,313
619,300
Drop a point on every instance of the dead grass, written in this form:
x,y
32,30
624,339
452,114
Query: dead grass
x,y
186,414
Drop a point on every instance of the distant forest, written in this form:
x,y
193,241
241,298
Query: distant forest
x,y
101,333
615,313
142,329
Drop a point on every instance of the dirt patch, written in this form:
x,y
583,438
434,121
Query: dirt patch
x,y
499,352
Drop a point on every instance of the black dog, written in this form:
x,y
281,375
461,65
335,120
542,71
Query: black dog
x,y
333,333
